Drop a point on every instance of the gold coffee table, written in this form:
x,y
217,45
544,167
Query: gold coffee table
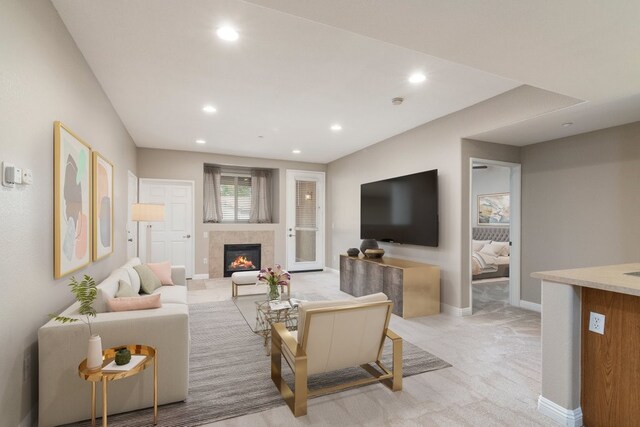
x,y
265,317
96,376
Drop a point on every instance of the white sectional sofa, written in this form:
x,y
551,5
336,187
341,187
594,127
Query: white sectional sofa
x,y
64,397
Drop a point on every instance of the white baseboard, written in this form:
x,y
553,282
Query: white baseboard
x,y
455,311
332,270
200,277
566,417
531,306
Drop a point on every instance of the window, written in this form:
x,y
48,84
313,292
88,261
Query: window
x,y
235,197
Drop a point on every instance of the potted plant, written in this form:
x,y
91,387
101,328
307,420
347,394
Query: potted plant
x,y
85,292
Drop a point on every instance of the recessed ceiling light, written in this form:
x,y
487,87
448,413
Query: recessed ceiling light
x,y
417,78
227,33
336,127
200,141
296,151
567,124
209,109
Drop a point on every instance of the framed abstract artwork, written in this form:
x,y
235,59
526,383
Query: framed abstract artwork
x,y
72,201
102,207
493,209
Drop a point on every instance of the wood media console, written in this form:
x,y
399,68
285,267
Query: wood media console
x,y
413,287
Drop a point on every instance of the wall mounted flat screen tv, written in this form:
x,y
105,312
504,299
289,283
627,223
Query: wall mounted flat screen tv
x,y
402,209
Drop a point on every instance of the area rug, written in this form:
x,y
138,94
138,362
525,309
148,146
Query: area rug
x,y
229,373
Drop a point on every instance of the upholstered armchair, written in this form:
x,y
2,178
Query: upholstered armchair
x,y
334,335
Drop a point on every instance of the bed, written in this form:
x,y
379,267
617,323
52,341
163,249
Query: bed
x,y
490,257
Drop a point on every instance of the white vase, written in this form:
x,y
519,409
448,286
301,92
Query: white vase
x,y
94,352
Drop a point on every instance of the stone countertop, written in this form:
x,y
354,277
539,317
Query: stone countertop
x,y
608,278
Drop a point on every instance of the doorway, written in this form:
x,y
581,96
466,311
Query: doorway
x,y
494,205
132,226
173,238
305,220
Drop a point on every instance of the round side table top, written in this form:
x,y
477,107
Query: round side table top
x,y
108,355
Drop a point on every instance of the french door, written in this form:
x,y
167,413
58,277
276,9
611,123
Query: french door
x,y
173,238
305,220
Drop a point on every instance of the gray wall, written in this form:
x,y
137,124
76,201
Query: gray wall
x,y
188,165
435,145
580,203
43,78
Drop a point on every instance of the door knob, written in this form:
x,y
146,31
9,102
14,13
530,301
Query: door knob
x,y
187,236
129,240
292,235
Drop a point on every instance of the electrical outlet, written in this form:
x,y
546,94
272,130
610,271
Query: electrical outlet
x,y
205,261
205,234
596,323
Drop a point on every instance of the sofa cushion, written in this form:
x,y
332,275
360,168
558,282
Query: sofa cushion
x,y
149,282
140,302
124,290
133,274
162,270
172,294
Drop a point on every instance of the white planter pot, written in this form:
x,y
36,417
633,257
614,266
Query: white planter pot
x,y
94,353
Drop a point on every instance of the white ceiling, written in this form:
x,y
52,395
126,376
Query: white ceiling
x,y
300,66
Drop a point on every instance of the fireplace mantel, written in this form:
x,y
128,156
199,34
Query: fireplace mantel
x,y
217,240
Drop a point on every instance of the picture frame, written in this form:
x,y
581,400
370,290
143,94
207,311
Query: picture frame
x,y
72,201
494,209
102,224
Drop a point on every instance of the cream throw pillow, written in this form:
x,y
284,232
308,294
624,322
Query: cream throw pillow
x,y
479,244
492,249
149,282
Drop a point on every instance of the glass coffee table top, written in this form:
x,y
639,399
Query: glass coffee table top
x,y
266,315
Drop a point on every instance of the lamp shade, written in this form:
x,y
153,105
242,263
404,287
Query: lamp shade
x,y
147,212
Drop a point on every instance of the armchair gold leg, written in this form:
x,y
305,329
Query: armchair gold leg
x,y
397,365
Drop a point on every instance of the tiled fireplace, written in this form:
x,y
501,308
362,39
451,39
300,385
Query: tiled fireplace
x,y
219,239
244,257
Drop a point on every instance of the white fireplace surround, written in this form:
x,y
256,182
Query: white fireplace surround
x,y
217,240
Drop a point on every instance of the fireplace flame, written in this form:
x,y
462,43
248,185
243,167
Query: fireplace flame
x,y
241,262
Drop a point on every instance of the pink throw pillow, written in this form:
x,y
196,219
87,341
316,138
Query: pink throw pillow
x,y
134,303
162,270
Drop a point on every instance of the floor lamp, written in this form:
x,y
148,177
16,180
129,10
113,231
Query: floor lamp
x,y
145,212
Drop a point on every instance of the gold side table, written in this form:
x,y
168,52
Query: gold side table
x,y
96,376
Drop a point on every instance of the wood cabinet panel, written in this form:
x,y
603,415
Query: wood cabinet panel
x,y
610,380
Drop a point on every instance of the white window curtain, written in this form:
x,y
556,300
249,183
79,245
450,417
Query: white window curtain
x,y
212,204
260,196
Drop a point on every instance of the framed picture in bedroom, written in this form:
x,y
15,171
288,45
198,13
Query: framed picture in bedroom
x,y
493,209
102,206
72,201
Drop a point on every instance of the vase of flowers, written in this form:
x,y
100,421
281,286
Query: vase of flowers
x,y
274,277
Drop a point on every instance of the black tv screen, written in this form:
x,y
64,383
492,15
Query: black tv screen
x,y
401,210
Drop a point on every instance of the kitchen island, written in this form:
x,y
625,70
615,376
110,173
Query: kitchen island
x,y
588,377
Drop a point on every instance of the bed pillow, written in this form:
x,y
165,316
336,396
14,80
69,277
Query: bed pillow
x,y
134,303
124,290
493,249
149,282
479,244
506,250
162,270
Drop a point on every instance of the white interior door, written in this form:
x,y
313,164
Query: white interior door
x,y
173,238
305,220
132,226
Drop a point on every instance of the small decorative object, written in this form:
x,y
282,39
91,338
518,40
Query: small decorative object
x,y
368,244
353,251
374,253
274,277
123,356
86,293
